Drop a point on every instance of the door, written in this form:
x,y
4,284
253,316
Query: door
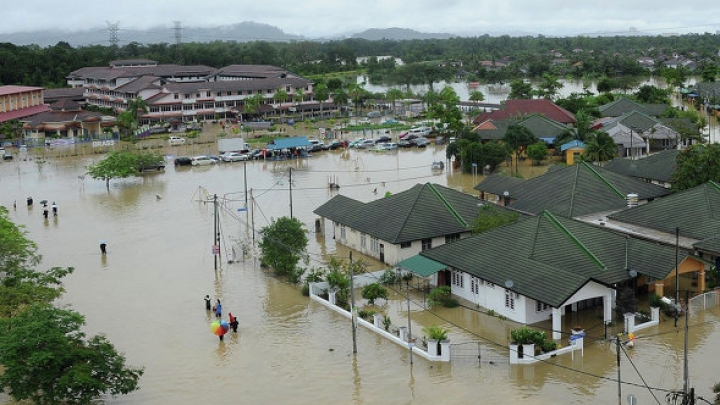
x,y
382,253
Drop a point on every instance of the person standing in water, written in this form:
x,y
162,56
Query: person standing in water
x,y
218,309
54,209
208,307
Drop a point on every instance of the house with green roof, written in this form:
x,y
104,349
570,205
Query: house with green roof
x,y
623,106
570,191
401,225
544,128
654,132
694,214
657,168
544,267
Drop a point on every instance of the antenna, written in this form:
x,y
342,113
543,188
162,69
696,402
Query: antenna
x,y
113,29
178,41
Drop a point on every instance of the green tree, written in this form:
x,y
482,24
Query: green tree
x,y
283,245
253,104
549,86
518,137
394,95
599,147
137,107
126,122
322,94
519,89
47,359
537,152
490,217
374,291
476,96
696,165
115,165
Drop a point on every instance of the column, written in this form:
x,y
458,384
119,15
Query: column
x,y
660,288
607,307
701,280
556,324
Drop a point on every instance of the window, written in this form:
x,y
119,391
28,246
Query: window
x,y
452,238
458,279
363,241
426,244
405,245
207,94
342,232
374,245
509,300
176,96
541,306
475,285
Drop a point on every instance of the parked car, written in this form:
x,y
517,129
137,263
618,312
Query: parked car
x,y
337,144
355,143
440,140
391,121
383,139
233,157
409,136
202,160
365,144
390,145
373,114
404,144
421,142
183,161
7,155
317,145
176,140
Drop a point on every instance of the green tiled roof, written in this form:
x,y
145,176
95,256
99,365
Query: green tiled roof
x,y
580,190
421,265
423,211
498,183
710,245
496,134
543,127
695,211
622,106
659,166
549,258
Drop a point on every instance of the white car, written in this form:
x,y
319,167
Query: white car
x,y
176,140
233,157
202,161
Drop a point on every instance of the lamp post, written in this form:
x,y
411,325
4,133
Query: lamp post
x,y
631,144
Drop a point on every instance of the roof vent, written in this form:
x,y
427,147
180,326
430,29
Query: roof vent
x,y
632,200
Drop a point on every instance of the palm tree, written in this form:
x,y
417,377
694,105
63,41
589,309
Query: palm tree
x,y
252,104
476,96
394,95
136,107
356,92
321,94
599,147
281,96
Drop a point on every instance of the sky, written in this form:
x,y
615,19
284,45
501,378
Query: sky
x,y
333,18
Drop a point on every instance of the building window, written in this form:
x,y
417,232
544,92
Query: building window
x,y
405,245
452,238
426,244
541,306
458,279
176,96
363,241
342,232
509,300
475,285
375,245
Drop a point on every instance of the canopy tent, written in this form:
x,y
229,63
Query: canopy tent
x,y
421,265
289,143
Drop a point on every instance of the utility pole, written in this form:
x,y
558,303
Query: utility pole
x,y
617,344
677,275
216,232
409,336
353,312
178,41
686,370
291,213
252,216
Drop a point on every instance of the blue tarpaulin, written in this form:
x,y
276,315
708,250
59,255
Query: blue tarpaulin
x,y
289,143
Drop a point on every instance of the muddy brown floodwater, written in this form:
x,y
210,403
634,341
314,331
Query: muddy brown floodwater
x,y
147,294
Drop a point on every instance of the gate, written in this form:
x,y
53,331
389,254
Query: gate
x,y
474,353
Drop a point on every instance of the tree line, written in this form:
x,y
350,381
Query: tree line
x,y
466,57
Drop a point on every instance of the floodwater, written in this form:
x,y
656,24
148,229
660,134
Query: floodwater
x,y
147,293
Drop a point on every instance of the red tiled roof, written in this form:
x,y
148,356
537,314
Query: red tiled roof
x,y
523,107
13,89
22,113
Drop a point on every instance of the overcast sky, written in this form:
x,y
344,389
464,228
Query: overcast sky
x,y
327,18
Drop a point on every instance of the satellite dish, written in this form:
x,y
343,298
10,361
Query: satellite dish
x,y
506,193
509,284
633,273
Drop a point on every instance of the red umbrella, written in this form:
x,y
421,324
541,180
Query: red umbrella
x,y
219,327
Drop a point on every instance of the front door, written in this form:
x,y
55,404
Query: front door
x,y
382,253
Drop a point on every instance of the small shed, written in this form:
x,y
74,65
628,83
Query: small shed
x,y
572,151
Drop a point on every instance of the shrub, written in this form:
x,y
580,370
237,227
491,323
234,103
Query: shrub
x,y
435,332
366,314
439,296
373,291
387,322
389,277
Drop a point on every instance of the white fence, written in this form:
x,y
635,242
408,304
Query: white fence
x,y
704,301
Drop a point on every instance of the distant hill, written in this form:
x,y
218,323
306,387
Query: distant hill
x,y
241,32
398,34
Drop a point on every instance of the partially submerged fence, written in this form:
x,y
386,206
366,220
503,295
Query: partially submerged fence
x,y
704,301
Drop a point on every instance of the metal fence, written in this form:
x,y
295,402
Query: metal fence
x,y
704,301
475,354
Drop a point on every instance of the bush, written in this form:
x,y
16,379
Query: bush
x,y
440,296
435,332
374,291
366,314
389,277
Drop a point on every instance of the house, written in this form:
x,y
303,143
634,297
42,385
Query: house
x,y
17,102
654,132
542,127
523,107
67,120
622,106
400,225
572,151
570,191
546,266
657,168
628,140
694,214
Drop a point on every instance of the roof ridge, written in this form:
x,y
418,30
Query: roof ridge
x,y
716,186
603,179
573,238
447,205
409,211
572,192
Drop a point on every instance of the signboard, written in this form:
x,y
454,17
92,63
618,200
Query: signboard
x,y
216,249
97,144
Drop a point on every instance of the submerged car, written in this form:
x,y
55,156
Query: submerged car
x,y
233,157
183,161
421,142
202,160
